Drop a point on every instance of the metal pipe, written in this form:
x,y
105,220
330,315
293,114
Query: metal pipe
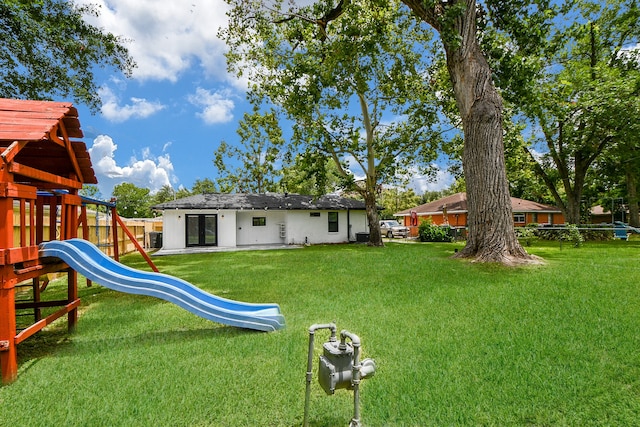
x,y
355,377
312,329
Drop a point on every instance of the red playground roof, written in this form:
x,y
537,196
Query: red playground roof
x,y
44,131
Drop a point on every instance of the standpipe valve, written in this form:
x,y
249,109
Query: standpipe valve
x,y
339,367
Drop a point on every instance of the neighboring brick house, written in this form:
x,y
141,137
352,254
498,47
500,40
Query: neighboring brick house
x,y
452,210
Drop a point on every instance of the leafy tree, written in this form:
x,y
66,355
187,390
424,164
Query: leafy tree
x,y
48,50
165,194
491,235
202,186
261,139
350,76
524,182
132,201
311,174
618,175
183,192
90,190
396,199
575,83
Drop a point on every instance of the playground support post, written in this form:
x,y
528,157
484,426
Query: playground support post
x,y
8,352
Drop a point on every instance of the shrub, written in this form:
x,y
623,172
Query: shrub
x,y
571,234
564,234
527,234
429,232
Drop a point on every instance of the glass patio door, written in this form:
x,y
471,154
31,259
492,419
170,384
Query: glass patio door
x,y
202,230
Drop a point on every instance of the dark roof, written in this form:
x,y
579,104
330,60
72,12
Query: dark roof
x,y
276,201
43,126
457,203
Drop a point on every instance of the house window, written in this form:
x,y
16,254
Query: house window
x,y
259,221
518,218
333,222
314,214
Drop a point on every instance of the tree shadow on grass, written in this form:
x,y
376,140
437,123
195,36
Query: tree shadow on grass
x,y
57,341
43,344
101,346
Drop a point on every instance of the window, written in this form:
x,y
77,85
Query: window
x,y
201,230
259,221
333,222
314,214
518,218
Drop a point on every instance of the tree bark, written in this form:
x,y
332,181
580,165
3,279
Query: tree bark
x,y
491,235
375,236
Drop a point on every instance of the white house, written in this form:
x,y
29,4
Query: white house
x,y
231,220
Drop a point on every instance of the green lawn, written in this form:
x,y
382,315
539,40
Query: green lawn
x,y
455,343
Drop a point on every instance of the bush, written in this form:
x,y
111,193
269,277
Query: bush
x,y
527,234
571,234
429,232
565,234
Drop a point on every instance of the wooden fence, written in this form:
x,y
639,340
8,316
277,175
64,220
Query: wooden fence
x,y
100,231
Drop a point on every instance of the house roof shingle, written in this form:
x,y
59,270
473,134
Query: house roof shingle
x,y
457,203
275,201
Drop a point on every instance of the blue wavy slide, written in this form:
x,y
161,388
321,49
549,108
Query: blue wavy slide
x,y
85,258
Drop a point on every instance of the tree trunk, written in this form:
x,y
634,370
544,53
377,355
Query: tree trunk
x,y
490,219
375,236
491,236
572,209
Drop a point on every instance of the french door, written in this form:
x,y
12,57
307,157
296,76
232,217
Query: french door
x,y
202,230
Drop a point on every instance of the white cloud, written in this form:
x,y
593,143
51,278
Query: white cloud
x,y
139,107
165,37
216,106
148,172
421,183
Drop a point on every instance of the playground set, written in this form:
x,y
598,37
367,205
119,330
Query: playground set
x,y
42,169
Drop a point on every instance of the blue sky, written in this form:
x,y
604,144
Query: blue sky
x,y
162,125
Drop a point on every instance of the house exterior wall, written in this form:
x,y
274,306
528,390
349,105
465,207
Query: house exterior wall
x,y
227,224
460,220
305,227
455,219
174,227
268,234
235,228
551,218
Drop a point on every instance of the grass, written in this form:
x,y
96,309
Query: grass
x,y
455,343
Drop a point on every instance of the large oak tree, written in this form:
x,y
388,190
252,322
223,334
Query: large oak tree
x,y
491,235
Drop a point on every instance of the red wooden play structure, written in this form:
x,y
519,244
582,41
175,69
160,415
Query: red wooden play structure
x,y
42,169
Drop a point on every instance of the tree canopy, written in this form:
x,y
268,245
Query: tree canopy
x,y
349,76
261,142
570,72
132,201
48,50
